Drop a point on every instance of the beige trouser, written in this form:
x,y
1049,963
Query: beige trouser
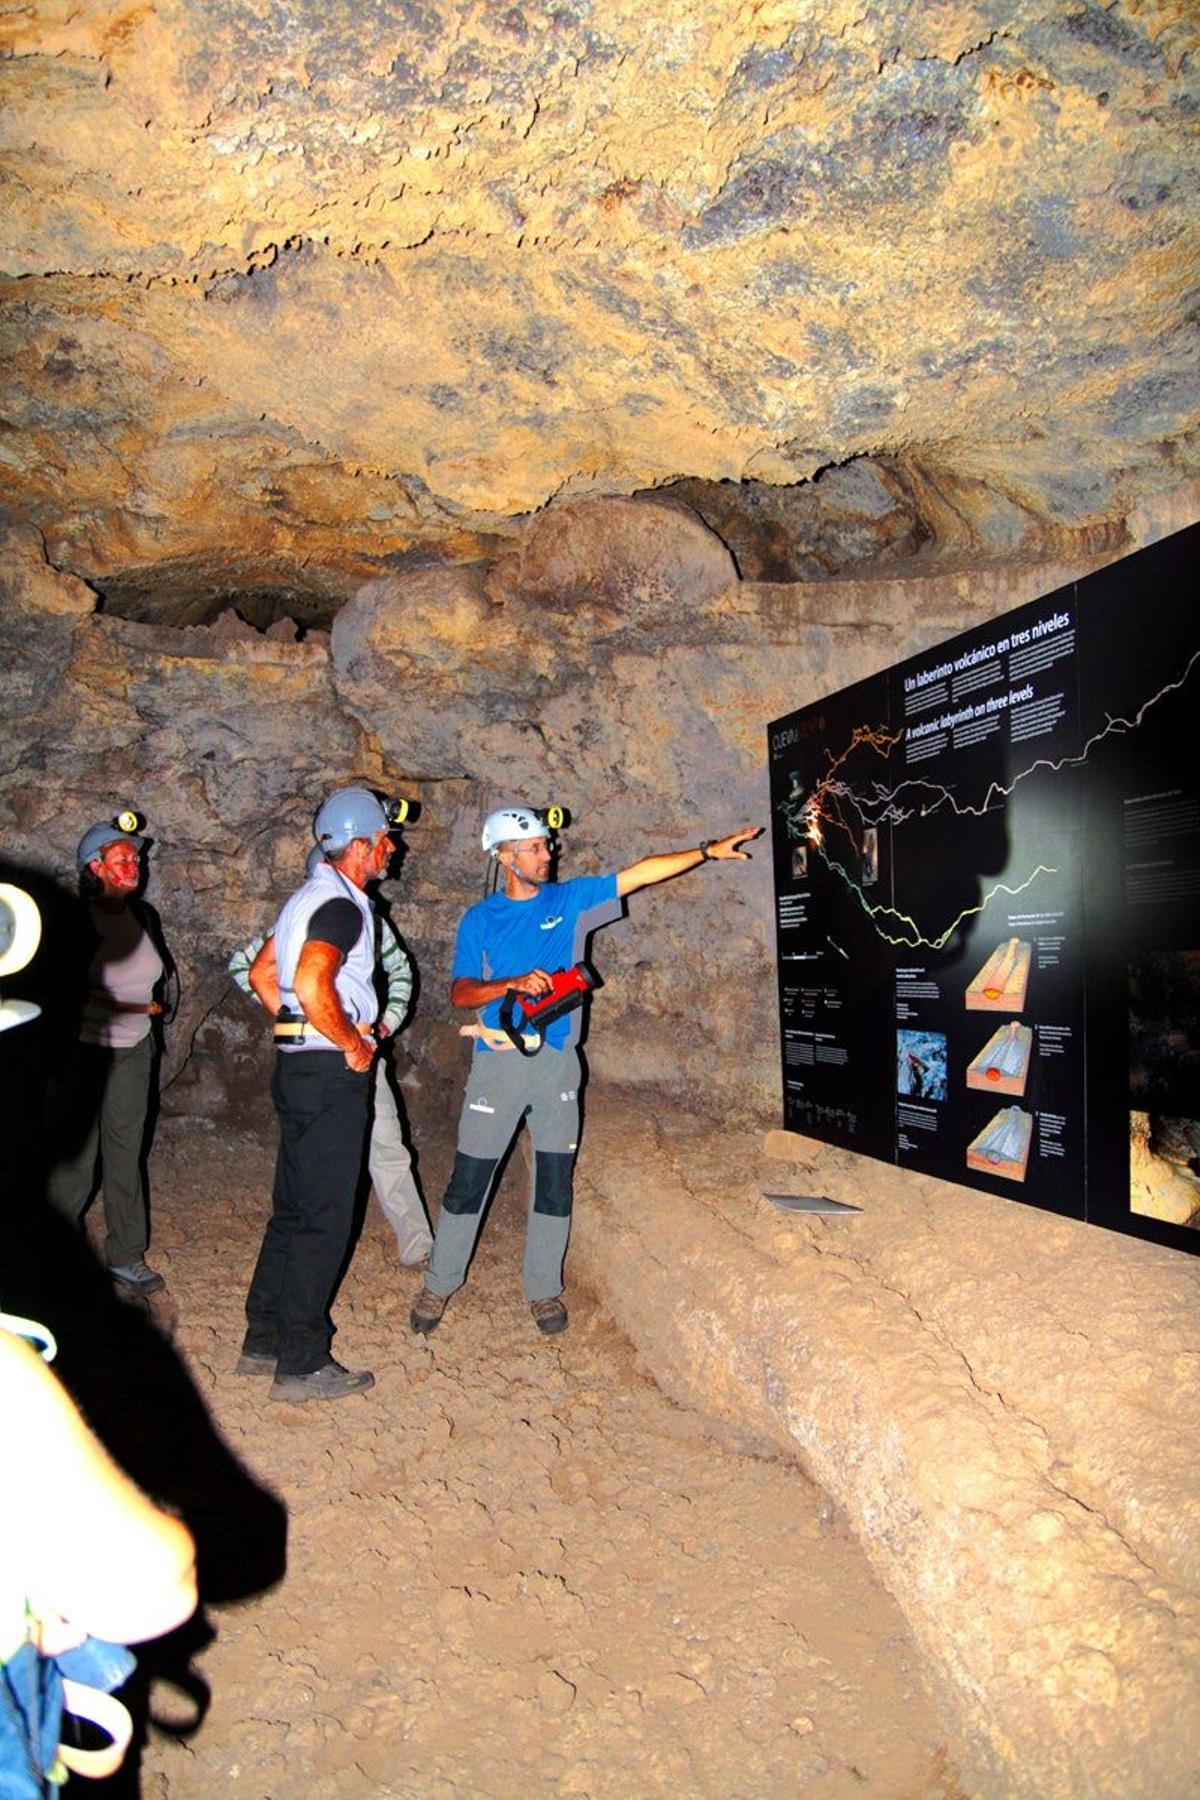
x,y
390,1163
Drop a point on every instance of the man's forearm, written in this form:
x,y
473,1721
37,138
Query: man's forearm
x,y
265,989
469,994
653,869
263,977
323,1010
314,987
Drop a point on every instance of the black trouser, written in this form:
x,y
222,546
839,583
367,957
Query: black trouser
x,y
322,1108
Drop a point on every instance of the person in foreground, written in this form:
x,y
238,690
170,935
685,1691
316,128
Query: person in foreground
x,y
513,942
87,1565
316,977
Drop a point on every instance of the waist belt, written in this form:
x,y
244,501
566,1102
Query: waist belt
x,y
294,1031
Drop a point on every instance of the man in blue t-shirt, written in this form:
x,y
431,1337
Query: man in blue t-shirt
x,y
513,942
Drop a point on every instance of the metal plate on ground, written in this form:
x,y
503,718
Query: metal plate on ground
x,y
810,1203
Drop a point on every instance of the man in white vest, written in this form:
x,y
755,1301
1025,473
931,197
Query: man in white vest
x,y
318,984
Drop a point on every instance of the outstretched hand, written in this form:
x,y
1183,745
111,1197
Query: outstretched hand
x,y
729,848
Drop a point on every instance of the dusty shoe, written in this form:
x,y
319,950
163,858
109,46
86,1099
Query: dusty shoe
x,y
254,1362
329,1383
427,1310
138,1277
550,1315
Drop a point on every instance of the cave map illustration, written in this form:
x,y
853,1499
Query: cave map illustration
x,y
837,806
974,852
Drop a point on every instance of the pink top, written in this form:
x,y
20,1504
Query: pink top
x,y
126,967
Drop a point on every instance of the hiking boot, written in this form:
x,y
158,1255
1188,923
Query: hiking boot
x,y
331,1382
427,1310
550,1315
255,1362
138,1277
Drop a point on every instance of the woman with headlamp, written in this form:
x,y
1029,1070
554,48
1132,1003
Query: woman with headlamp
x,y
102,1098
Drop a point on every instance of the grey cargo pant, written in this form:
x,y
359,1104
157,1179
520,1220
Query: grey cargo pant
x,y
503,1088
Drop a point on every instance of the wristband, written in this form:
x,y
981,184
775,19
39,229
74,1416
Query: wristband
x,y
704,856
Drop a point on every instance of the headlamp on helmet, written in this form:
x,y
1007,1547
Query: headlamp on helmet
x,y
124,829
515,824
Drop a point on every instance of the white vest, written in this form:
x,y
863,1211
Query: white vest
x,y
355,980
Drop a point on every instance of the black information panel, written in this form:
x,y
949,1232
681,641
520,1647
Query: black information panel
x,y
987,891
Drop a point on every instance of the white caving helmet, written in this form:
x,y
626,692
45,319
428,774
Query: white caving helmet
x,y
350,813
510,824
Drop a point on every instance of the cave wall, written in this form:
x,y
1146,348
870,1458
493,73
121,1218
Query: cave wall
x,y
614,663
997,1400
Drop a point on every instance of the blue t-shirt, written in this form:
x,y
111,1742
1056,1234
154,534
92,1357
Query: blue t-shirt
x,y
501,937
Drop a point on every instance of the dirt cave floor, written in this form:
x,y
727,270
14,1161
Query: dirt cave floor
x,y
514,1567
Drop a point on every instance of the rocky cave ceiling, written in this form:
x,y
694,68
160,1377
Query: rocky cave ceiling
x,y
296,293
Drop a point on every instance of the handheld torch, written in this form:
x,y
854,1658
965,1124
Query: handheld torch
x,y
568,989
